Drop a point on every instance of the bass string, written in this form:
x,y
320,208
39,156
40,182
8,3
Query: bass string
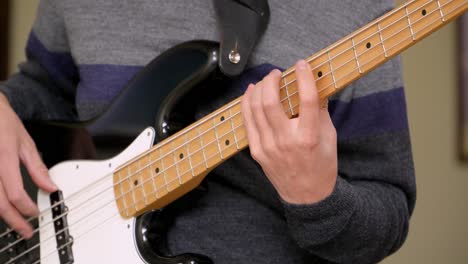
x,y
318,66
342,77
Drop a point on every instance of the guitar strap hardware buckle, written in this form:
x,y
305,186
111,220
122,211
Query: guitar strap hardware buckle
x,y
241,23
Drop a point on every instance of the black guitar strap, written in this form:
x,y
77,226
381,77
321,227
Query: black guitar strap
x,y
241,23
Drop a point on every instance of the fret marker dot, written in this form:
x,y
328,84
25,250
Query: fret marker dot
x,y
181,155
424,12
368,45
135,182
222,118
227,142
157,170
319,74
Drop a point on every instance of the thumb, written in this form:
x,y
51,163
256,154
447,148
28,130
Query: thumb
x,y
36,168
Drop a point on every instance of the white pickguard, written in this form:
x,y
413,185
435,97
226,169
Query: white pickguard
x,y
99,234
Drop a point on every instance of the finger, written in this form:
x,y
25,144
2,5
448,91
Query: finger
x,y
272,106
250,127
13,185
309,99
12,217
258,113
36,168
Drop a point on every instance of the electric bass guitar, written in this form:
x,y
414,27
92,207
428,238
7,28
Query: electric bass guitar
x,y
111,202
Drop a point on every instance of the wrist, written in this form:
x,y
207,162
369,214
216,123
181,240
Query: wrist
x,y
316,193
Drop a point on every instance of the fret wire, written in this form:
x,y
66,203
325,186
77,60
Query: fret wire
x,y
123,198
409,22
152,174
131,187
142,186
356,57
163,171
202,147
217,139
331,69
287,96
381,40
214,154
441,12
188,155
175,162
233,130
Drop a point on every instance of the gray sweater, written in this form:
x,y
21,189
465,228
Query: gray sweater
x,y
82,53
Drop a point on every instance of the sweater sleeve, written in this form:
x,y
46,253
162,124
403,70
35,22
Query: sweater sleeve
x,y
44,86
367,215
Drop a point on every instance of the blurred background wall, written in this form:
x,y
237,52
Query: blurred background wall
x,y
439,226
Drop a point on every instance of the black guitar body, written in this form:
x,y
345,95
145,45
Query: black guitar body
x,y
161,95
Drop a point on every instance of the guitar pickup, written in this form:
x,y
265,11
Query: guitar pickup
x,y
62,232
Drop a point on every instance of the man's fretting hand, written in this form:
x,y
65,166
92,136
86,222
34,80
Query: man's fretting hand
x,y
16,145
299,156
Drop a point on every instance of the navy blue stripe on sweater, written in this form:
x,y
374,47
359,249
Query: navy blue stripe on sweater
x,y
101,83
369,115
59,65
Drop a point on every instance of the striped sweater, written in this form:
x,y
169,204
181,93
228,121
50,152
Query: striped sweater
x,y
80,54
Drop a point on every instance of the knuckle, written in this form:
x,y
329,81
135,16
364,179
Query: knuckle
x,y
257,154
269,103
16,196
284,145
309,142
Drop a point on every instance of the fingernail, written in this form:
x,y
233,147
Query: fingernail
x,y
301,65
276,72
26,234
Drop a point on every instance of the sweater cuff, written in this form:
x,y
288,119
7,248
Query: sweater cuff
x,y
314,224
